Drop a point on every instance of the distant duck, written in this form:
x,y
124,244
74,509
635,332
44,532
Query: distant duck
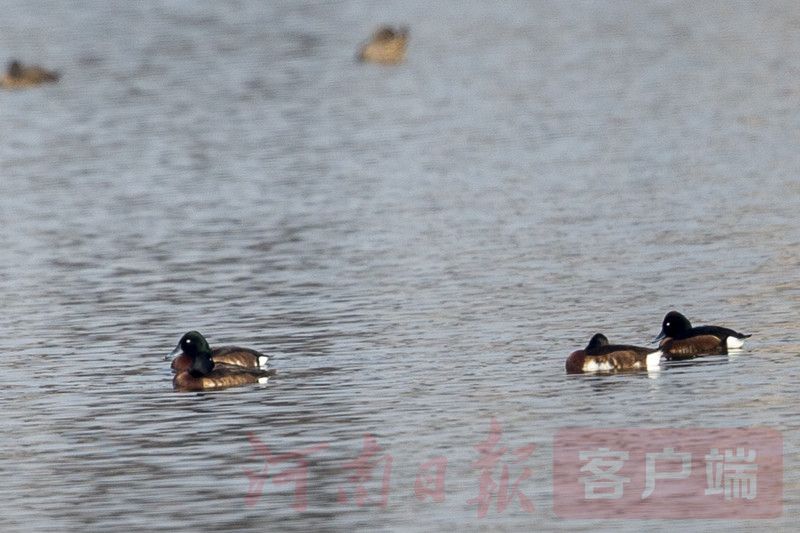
x,y
600,356
18,76
386,46
682,341
193,344
197,369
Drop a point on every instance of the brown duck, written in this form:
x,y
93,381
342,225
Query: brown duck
x,y
386,46
18,76
198,367
193,343
600,356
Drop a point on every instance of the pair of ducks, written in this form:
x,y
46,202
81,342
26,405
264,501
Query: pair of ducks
x,y
198,367
679,340
19,76
386,46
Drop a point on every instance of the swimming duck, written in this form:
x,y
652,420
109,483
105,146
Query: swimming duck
x,y
18,76
386,46
599,355
204,374
679,340
193,344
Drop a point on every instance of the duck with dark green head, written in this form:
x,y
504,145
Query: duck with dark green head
x,y
198,367
680,340
193,344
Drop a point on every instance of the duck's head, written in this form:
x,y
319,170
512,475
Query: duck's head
x,y
192,344
388,33
195,346
673,325
384,33
597,341
15,69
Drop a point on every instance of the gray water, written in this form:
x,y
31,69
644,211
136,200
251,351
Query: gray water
x,y
418,248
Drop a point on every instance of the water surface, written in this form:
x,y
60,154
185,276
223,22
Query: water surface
x,y
418,248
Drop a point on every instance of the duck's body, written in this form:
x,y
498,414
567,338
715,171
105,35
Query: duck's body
x,y
679,340
18,76
198,367
386,46
600,356
221,376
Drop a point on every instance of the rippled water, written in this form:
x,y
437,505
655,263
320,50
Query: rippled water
x,y
419,248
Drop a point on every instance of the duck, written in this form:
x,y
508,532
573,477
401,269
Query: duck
x,y
679,340
205,374
193,343
386,46
18,76
600,355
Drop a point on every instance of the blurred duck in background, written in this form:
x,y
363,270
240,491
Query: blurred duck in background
x,y
18,76
386,46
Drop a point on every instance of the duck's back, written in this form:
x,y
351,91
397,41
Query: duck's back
x,y
716,331
236,356
617,348
39,75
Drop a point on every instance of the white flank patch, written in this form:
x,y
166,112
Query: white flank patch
x,y
594,366
734,342
262,360
263,380
653,360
